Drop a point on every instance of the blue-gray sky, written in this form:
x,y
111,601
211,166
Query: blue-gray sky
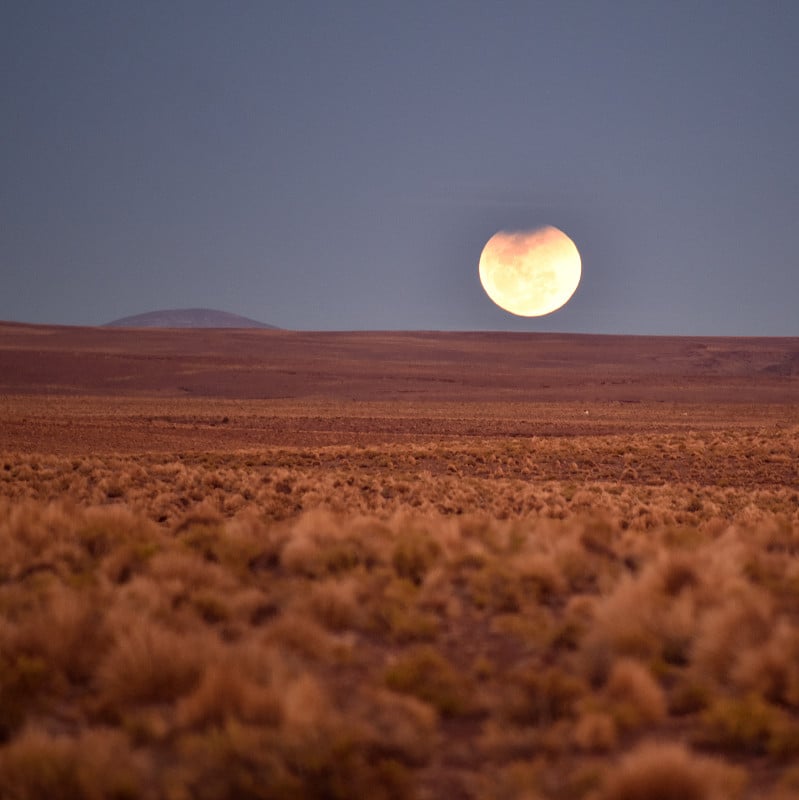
x,y
322,165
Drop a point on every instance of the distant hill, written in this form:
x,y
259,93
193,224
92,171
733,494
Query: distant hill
x,y
188,318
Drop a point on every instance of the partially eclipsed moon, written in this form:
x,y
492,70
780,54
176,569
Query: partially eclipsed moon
x,y
530,273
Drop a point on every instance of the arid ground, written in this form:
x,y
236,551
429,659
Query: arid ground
x,y
268,564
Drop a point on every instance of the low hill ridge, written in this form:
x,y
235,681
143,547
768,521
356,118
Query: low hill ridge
x,y
187,318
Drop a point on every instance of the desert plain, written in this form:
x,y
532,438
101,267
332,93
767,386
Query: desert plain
x,y
274,564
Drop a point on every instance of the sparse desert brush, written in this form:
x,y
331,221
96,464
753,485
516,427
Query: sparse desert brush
x,y
496,587
678,572
636,698
656,771
320,545
770,670
542,697
578,569
241,761
636,619
401,726
97,764
335,603
247,546
596,732
181,573
24,683
677,597
483,615
728,630
748,725
500,743
519,780
394,609
540,573
689,695
787,786
66,630
428,675
414,554
296,633
30,532
148,663
224,692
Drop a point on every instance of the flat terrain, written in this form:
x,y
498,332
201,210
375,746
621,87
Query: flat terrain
x,y
467,565
368,366
106,390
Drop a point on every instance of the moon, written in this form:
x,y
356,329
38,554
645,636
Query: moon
x,y
530,273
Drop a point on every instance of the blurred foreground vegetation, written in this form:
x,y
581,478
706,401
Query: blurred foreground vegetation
x,y
579,617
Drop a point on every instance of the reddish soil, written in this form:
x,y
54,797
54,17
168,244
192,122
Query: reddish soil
x,y
366,366
91,390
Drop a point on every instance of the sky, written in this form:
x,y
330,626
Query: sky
x,y
339,166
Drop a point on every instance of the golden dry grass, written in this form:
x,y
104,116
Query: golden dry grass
x,y
600,606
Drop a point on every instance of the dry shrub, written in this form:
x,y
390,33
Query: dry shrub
x,y
425,673
211,606
305,704
24,680
414,554
580,570
244,656
537,697
232,543
331,763
129,559
335,603
787,787
182,573
726,632
596,732
623,624
150,664
678,572
320,545
651,616
500,742
200,532
66,629
636,698
252,605
539,575
333,755
656,771
689,695
104,530
233,761
771,670
436,593
742,725
496,587
598,537
298,634
392,610
225,693
519,780
248,545
97,765
401,726
34,537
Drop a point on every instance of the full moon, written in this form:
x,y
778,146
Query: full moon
x,y
530,273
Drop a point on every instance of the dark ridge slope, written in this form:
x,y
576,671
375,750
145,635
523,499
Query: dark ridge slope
x,y
187,318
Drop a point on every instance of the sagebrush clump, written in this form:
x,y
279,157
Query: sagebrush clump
x,y
599,616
